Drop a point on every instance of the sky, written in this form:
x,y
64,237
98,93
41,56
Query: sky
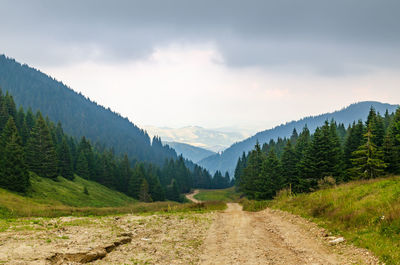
x,y
217,64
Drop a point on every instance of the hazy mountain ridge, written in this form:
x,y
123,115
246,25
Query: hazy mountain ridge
x,y
226,161
79,115
190,152
215,140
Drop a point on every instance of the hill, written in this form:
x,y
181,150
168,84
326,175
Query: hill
x,y
365,212
79,115
47,195
226,161
190,152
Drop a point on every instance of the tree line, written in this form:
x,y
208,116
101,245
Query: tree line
x,y
31,143
333,154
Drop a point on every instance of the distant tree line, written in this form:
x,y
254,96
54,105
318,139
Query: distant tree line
x,y
31,143
333,154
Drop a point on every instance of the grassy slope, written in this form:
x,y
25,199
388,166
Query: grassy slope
x,y
71,193
48,198
365,212
225,195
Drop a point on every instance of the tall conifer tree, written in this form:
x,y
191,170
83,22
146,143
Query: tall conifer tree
x,y
13,170
41,153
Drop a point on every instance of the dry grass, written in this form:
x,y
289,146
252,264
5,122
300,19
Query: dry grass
x,y
367,212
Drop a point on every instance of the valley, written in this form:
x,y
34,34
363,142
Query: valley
x,y
199,132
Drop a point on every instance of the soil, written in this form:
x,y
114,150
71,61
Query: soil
x,y
274,237
190,196
229,237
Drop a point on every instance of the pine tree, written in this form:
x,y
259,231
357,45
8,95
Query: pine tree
x,y
367,159
269,181
136,180
41,153
65,165
218,180
391,146
144,194
227,180
240,166
323,158
30,121
251,174
125,174
376,124
10,106
289,160
173,192
387,120
354,139
3,112
13,170
294,137
155,190
82,168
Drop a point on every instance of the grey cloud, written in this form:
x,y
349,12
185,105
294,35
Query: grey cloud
x,y
332,37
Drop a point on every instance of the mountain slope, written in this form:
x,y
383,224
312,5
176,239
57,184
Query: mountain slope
x,y
226,161
79,116
190,152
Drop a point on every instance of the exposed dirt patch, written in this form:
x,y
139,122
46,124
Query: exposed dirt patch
x,y
129,239
273,237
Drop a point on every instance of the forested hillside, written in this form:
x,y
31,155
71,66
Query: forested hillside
x,y
190,152
31,143
227,160
333,154
79,115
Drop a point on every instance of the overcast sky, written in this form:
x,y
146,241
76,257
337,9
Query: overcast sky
x,y
225,63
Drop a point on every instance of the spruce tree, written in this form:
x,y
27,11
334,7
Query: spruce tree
x,y
144,194
173,192
30,121
269,180
252,172
391,146
3,112
41,153
354,139
367,159
290,177
13,170
136,180
323,158
65,165
376,124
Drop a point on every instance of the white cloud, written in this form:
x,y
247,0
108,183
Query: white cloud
x,y
189,84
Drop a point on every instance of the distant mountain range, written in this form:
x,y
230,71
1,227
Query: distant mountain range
x,y
79,115
190,152
226,161
214,140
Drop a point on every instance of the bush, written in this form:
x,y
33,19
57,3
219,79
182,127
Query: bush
x,y
326,183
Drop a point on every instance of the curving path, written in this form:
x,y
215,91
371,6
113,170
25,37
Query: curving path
x,y
190,196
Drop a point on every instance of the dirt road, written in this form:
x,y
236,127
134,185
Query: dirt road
x,y
273,237
190,196
229,237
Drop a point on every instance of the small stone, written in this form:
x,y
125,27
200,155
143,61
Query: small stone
x,y
337,241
